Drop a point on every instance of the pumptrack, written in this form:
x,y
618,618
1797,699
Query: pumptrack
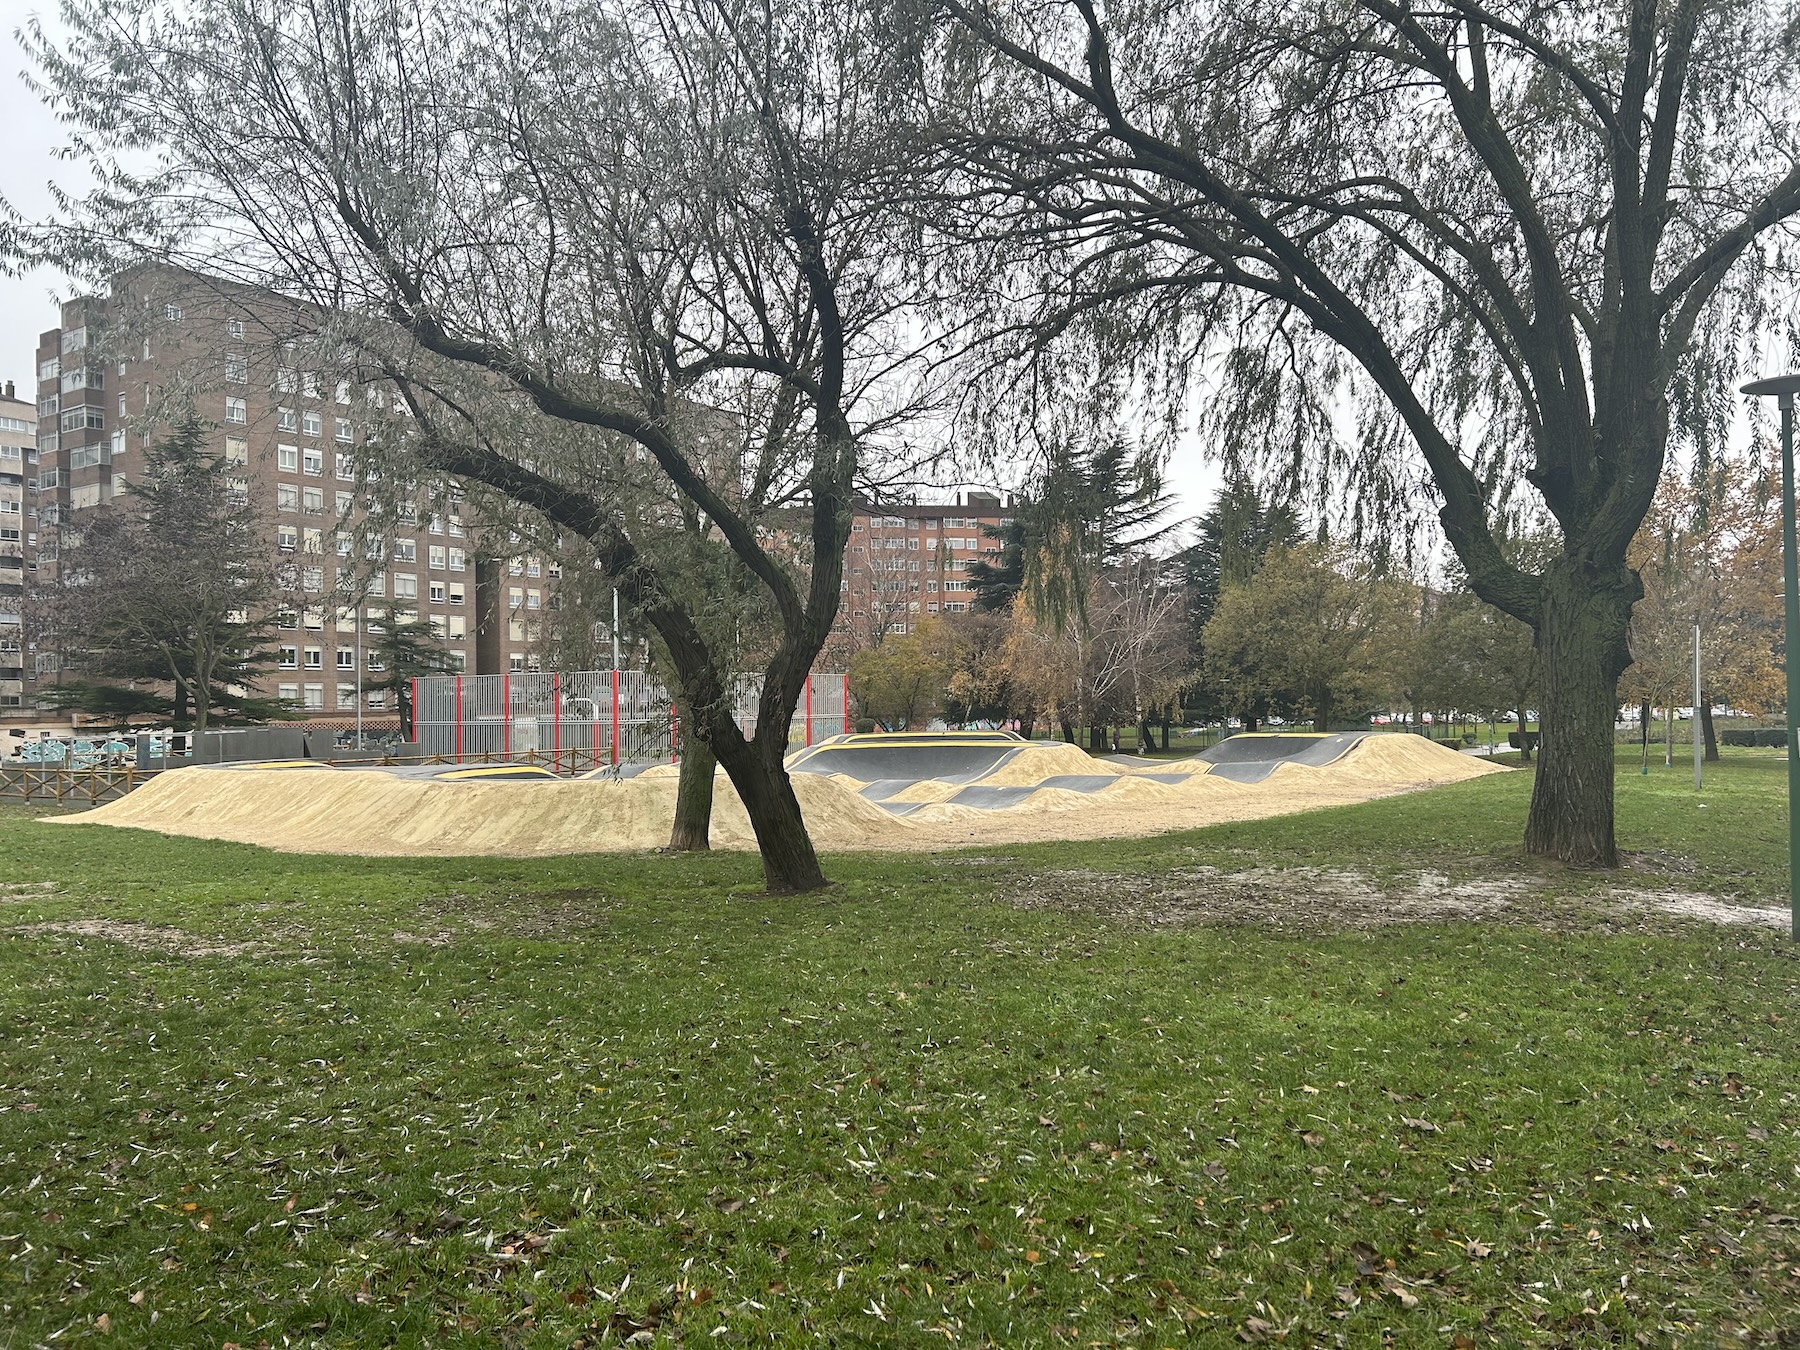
x,y
899,792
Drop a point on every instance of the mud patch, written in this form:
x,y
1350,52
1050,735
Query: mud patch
x,y
145,937
1285,898
16,891
1313,899
1704,908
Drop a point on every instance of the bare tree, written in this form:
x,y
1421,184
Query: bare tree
x,y
1525,241
648,223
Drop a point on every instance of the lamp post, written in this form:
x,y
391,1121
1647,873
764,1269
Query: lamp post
x,y
1784,387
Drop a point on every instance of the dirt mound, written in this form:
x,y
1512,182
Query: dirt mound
x,y
376,813
372,813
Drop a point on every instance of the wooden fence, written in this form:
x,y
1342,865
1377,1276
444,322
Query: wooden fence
x,y
50,785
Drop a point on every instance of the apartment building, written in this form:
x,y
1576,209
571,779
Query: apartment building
x,y
18,456
118,369
909,562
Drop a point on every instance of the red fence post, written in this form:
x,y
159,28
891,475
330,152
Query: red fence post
x,y
615,738
809,707
506,715
846,703
459,720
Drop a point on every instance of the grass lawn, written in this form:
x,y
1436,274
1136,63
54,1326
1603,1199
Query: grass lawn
x,y
1248,1084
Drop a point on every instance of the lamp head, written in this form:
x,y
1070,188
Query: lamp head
x,y
1783,386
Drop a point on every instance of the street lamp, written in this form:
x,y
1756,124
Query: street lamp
x,y
1784,387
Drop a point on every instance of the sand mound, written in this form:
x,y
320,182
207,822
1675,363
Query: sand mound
x,y
372,813
375,813
1400,759
1036,762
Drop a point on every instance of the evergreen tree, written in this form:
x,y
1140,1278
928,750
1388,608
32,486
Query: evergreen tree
x,y
402,651
173,585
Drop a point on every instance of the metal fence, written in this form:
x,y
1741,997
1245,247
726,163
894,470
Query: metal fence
x,y
589,717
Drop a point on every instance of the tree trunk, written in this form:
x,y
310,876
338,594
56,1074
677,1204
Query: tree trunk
x,y
1068,731
1168,712
1322,713
1582,637
1704,713
1524,738
692,830
790,866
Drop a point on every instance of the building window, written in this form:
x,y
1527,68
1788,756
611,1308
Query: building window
x,y
456,593
284,379
515,662
378,698
285,420
309,424
290,658
287,538
346,659
345,501
236,411
437,592
344,433
315,697
458,626
456,560
346,694
312,540
287,458
312,578
84,419
237,368
313,620
312,501
406,550
406,586
237,450
315,658
534,599
287,497
515,598
435,553
172,313
344,545
343,391
288,693
234,329
312,462
309,383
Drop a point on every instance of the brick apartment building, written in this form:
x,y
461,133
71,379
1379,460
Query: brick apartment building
x,y
909,562
18,457
118,369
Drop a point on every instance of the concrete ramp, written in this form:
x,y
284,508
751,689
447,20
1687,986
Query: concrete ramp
x,y
900,758
1251,756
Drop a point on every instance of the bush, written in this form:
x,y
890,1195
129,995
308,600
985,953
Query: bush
x,y
865,725
1770,737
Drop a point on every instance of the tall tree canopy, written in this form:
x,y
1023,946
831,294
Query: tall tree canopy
x,y
1518,242
658,225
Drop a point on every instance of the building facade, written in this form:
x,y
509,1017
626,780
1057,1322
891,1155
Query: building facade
x,y
117,372
908,563
18,458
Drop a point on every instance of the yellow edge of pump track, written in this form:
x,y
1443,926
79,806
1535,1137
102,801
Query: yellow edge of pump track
x,y
372,812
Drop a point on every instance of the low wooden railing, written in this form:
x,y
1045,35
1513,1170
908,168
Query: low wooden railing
x,y
48,783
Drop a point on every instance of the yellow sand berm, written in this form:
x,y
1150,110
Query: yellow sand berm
x,y
375,813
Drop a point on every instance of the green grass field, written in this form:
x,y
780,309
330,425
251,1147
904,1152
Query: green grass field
x,y
1360,1077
